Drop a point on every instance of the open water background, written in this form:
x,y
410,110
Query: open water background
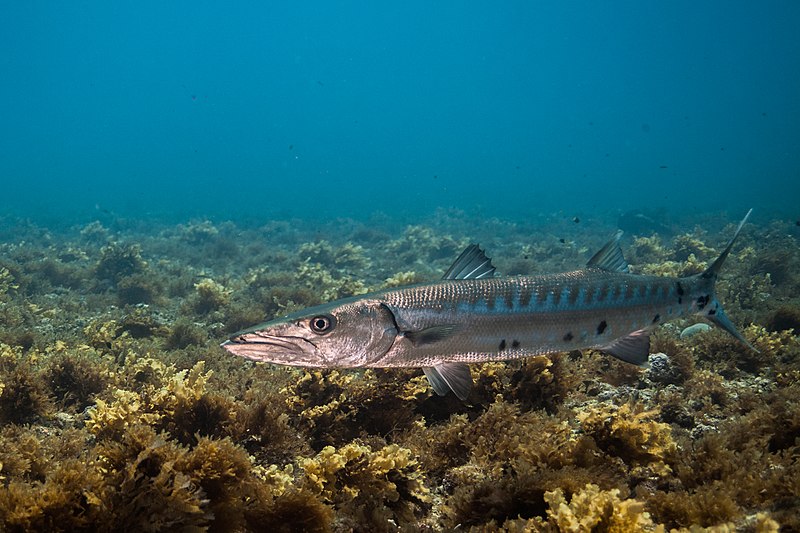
x,y
318,110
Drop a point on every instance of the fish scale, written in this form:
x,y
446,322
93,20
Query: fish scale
x,y
564,312
578,290
472,317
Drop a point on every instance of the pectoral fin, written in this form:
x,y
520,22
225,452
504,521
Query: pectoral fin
x,y
450,376
633,348
431,334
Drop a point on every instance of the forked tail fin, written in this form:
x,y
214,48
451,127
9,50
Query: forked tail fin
x,y
714,311
713,270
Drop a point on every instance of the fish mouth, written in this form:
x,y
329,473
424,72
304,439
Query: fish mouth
x,y
283,350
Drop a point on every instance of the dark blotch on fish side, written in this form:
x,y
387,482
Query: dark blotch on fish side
x,y
541,295
629,291
557,295
601,327
568,337
656,318
515,343
602,292
702,302
617,292
574,292
525,296
502,345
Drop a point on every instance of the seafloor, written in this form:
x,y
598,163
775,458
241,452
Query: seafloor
x,y
118,410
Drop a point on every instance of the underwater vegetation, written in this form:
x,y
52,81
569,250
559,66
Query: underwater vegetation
x,y
119,411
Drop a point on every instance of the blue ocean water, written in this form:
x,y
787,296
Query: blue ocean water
x,y
328,109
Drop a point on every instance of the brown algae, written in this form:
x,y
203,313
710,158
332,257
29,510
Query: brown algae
x,y
119,411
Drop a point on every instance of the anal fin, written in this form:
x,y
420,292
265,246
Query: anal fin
x,y
633,348
450,376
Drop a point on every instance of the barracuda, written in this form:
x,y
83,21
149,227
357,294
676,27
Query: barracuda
x,y
472,317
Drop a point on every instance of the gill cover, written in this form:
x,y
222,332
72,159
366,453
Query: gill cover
x,y
364,332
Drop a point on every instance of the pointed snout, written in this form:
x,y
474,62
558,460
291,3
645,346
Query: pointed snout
x,y
259,346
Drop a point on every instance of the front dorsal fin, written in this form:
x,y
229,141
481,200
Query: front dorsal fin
x,y
610,257
450,376
471,264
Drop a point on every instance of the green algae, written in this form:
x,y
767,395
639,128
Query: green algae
x,y
118,409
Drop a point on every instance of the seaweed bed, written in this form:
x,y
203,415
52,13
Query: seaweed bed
x,y
118,410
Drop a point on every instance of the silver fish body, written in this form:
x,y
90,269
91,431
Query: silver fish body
x,y
471,317
509,318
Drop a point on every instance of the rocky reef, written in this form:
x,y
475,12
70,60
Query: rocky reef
x,y
118,410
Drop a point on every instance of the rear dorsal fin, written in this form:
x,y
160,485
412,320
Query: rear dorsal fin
x,y
610,257
471,264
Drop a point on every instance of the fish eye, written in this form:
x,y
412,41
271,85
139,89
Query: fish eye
x,y
322,323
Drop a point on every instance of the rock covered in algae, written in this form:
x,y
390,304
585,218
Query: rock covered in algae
x,y
593,509
210,295
7,283
687,245
118,261
632,433
403,278
356,471
315,276
347,256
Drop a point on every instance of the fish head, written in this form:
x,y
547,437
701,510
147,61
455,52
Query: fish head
x,y
347,333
